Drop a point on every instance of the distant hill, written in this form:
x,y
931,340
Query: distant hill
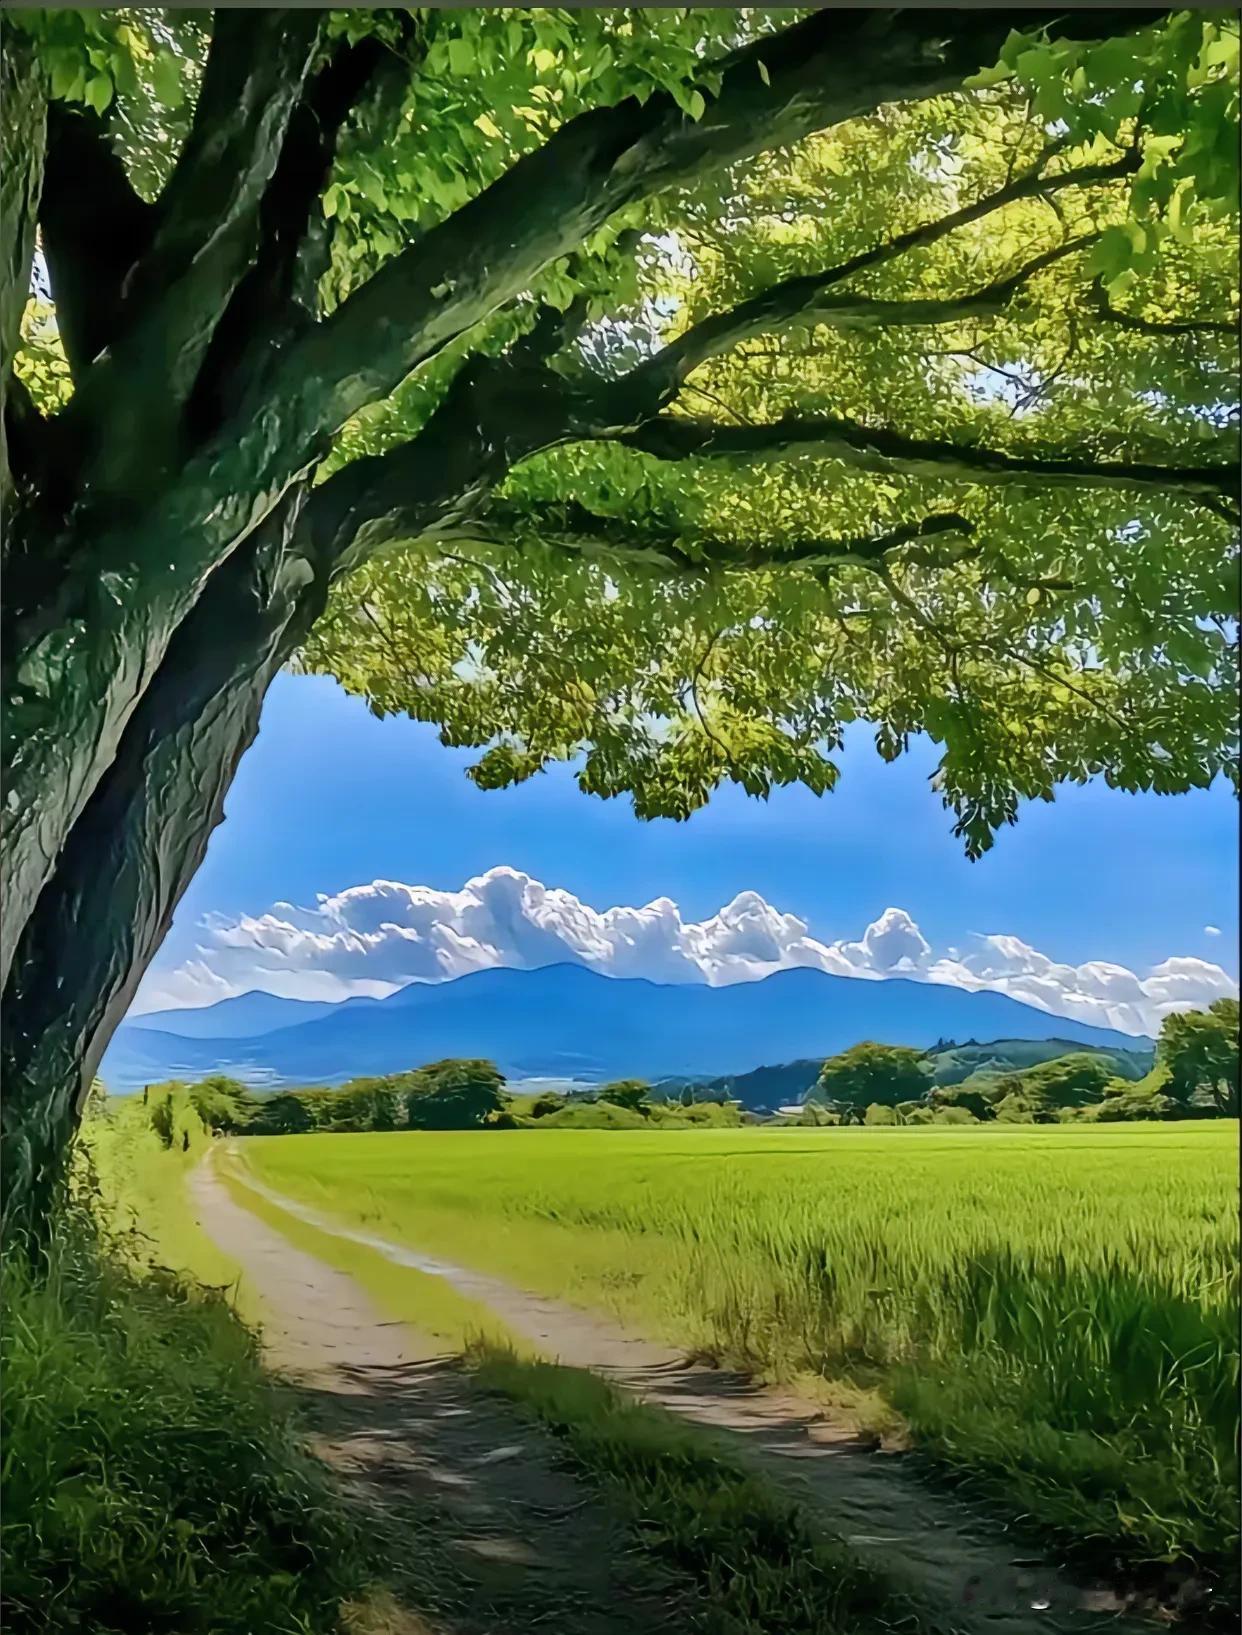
x,y
563,1021
960,1062
789,1082
245,1017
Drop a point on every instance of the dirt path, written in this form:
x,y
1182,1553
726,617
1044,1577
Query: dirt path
x,y
490,1535
926,1541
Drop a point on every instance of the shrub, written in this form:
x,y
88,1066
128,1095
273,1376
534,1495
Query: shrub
x,y
162,1118
152,1479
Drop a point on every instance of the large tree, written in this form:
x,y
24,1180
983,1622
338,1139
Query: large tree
x,y
869,1075
1198,1056
667,388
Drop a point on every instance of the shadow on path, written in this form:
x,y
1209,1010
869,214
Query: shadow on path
x,y
484,1531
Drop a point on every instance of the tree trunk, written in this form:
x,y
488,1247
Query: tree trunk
x,y
135,849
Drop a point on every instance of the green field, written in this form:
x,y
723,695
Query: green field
x,y
1051,1310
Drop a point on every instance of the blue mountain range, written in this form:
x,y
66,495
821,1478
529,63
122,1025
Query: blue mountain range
x,y
564,1021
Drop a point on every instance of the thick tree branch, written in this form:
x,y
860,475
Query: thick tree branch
x,y
784,304
94,229
835,65
278,297
879,448
1149,326
574,528
205,242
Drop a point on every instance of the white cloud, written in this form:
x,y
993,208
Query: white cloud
x,y
1211,931
373,939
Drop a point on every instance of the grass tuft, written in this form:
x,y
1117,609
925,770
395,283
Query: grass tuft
x,y
153,1481
760,1565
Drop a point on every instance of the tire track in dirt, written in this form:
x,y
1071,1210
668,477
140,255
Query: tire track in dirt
x,y
929,1543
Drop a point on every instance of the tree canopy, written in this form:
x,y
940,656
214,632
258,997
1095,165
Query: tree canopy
x,y
458,1094
870,1074
1198,1052
660,390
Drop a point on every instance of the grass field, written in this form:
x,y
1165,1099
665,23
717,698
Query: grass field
x,y
1052,1311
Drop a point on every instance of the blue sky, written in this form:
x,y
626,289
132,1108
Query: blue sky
x,y
330,798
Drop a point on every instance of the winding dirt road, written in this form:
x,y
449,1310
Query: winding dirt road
x,y
929,1543
485,1531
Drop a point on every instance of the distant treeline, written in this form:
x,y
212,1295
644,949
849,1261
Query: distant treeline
x,y
947,1062
458,1094
1194,1075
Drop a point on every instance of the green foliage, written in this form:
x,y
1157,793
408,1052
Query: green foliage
x,y
1125,1102
711,1115
916,1113
595,1115
721,617
162,1115
364,1104
635,1094
868,1072
549,1102
1037,1095
1071,639
877,1114
458,1094
224,1105
954,1063
1174,89
142,68
961,1098
281,1115
153,1480
959,1114
1199,1051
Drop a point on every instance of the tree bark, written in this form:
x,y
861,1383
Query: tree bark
x,y
136,848
144,831
23,127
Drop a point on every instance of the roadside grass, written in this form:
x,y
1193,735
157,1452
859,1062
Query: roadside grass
x,y
1053,1313
153,1481
760,1565
141,1181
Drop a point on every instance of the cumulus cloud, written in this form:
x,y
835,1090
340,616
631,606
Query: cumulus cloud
x,y
1211,931
373,939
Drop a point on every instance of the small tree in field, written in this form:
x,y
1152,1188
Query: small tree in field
x,y
658,389
632,1093
868,1075
223,1104
457,1094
